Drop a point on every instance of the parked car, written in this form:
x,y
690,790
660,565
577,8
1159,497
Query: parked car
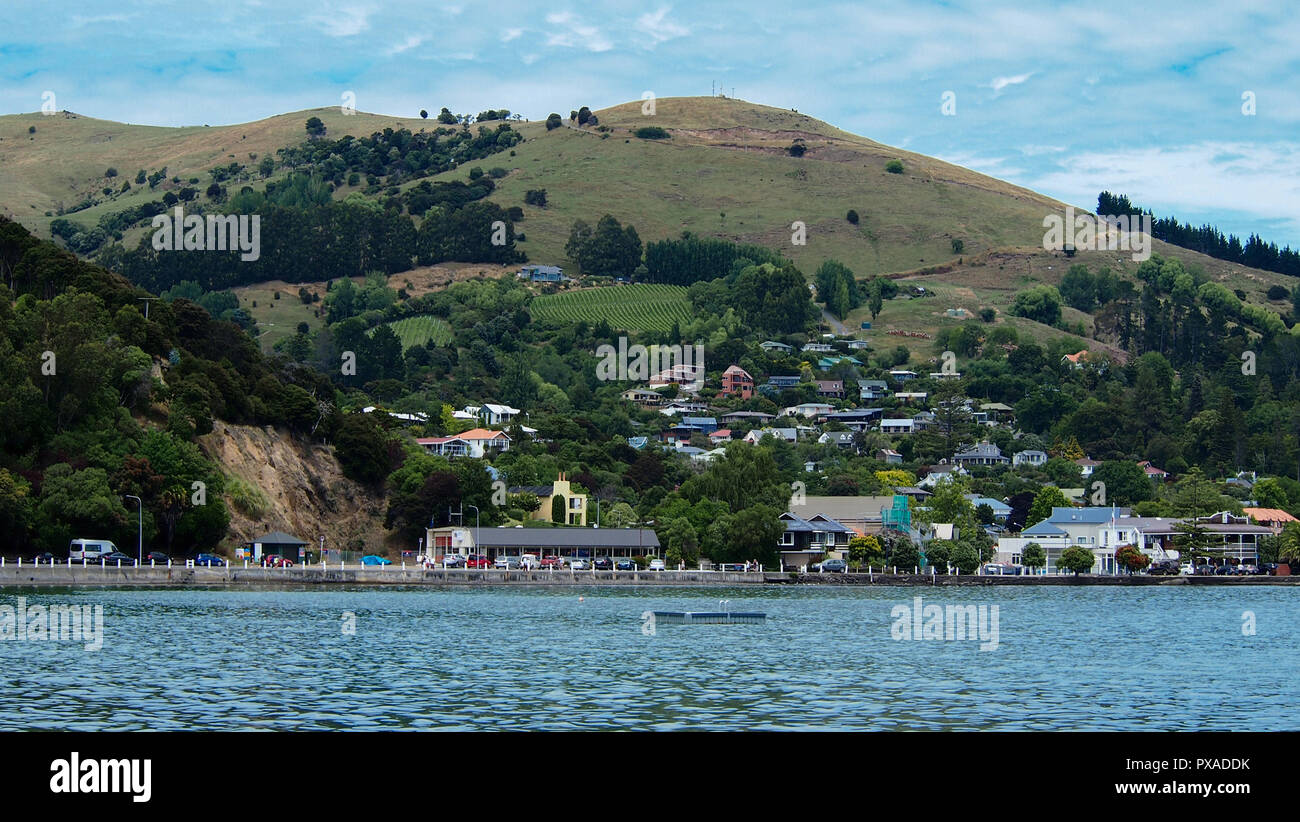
x,y
478,561
995,569
579,564
1225,570
90,549
529,561
1187,568
657,565
1163,567
603,564
1269,568
1204,570
276,561
1247,570
45,559
453,560
509,563
624,565
117,558
552,562
831,566
209,559
158,557
375,559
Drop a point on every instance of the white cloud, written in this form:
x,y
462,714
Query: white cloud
x,y
576,33
658,27
343,22
406,45
1000,83
510,34
1256,179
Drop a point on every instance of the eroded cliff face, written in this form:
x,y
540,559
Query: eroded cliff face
x,y
305,492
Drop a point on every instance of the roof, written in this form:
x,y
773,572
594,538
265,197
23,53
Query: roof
x,y
720,433
566,537
983,449
735,369
1043,529
848,508
995,504
1090,516
481,434
1268,515
748,415
897,422
818,522
278,538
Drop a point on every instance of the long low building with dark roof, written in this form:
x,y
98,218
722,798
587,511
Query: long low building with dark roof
x,y
561,542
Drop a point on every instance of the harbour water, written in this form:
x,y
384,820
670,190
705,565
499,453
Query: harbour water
x,y
825,658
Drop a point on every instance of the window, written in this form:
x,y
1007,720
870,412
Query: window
x,y
787,538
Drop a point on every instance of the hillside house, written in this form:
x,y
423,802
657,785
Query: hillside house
x,y
831,389
889,456
542,274
1031,457
772,346
475,443
984,453
736,382
642,397
872,390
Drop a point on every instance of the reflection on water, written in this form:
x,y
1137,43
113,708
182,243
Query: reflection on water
x,y
1090,658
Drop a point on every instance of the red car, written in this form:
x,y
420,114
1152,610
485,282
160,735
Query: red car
x,y
478,561
552,562
276,561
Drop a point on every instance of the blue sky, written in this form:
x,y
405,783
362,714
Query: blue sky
x,y
1144,99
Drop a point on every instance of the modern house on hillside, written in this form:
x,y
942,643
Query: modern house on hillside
x,y
1030,457
984,453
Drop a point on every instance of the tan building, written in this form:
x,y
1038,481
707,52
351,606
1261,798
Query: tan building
x,y
575,504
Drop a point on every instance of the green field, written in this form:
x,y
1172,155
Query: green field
x,y
639,307
420,330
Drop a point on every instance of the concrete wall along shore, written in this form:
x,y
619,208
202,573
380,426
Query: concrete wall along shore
x,y
63,575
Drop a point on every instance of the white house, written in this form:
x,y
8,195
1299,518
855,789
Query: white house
x,y
476,443
898,426
808,409
1029,457
494,414
756,435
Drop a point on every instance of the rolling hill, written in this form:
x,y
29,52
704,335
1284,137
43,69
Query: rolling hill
x,y
725,171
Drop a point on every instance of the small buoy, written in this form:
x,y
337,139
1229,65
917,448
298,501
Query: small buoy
x,y
582,599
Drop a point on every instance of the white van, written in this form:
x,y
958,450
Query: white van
x,y
88,549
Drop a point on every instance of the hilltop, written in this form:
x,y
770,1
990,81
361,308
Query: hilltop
x,y
725,171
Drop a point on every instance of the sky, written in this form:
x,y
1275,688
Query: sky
x,y
1190,109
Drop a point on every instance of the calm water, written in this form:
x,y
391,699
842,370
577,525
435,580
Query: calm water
x,y
1088,658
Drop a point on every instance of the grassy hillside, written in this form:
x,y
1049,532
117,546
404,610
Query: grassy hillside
x,y
725,172
64,161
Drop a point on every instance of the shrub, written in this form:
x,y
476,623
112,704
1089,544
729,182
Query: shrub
x,y
852,216
894,166
652,133
1277,292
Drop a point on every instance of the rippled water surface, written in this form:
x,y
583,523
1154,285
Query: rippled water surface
x,y
1091,658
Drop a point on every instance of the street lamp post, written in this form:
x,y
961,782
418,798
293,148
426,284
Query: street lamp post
x,y
139,544
477,547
